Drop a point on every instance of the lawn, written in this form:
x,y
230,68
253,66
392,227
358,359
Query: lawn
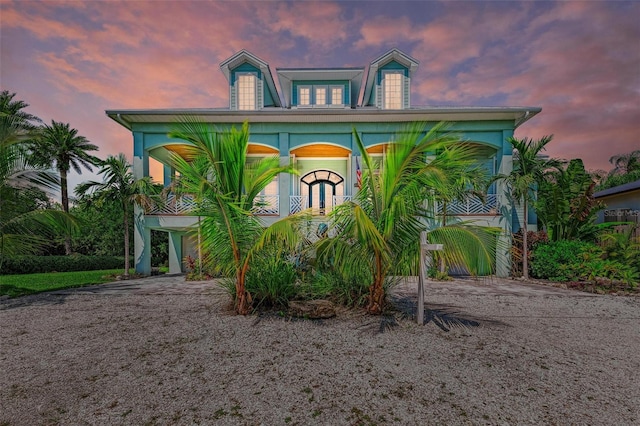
x,y
20,285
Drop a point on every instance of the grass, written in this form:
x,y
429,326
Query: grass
x,y
21,285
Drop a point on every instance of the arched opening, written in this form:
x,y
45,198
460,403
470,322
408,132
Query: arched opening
x,y
322,190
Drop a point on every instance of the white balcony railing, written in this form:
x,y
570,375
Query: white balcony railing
x,y
173,205
472,206
266,205
297,203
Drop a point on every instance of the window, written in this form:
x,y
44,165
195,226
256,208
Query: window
x,y
392,90
321,95
246,91
304,95
336,95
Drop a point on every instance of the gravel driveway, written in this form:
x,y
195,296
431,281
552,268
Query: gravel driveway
x,y
540,355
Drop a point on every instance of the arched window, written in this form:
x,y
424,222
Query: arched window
x,y
321,187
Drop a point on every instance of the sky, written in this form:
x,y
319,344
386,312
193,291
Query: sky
x,y
577,60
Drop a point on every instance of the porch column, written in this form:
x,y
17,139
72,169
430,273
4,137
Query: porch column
x,y
141,234
284,179
175,252
507,209
141,243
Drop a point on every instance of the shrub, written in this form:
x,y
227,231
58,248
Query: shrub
x,y
534,239
348,289
566,261
43,264
271,279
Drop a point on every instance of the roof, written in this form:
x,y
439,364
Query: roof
x,y
245,56
359,115
392,55
620,189
286,76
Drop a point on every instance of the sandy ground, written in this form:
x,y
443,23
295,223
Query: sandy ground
x,y
538,357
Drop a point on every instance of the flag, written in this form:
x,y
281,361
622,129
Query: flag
x,y
358,174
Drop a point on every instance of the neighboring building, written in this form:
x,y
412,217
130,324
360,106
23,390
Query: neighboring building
x,y
622,203
309,122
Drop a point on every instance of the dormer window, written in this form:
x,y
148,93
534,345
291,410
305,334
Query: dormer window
x,y
304,95
392,90
321,95
336,95
246,91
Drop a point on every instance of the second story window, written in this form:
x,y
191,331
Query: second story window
x,y
246,91
321,95
392,90
304,95
336,95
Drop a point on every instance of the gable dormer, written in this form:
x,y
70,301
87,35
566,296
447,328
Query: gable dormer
x,y
389,81
320,87
251,85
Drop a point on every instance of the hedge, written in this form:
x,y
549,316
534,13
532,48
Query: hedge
x,y
40,264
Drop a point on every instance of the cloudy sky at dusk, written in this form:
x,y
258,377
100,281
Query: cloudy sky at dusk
x,y
578,60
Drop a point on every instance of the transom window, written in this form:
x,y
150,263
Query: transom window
x,y
392,88
246,91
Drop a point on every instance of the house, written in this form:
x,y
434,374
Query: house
x,y
622,203
307,119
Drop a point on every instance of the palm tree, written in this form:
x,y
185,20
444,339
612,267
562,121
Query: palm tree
x,y
625,163
120,185
529,171
23,232
381,230
16,125
61,147
225,186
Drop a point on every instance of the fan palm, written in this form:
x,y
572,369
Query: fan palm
x,y
225,187
529,171
60,146
121,186
382,228
23,232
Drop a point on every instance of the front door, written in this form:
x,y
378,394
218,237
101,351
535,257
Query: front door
x,y
321,190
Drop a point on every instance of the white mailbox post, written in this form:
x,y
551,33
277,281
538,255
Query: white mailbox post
x,y
424,248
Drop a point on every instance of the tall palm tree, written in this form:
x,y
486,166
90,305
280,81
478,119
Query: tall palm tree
x,y
23,232
120,185
60,146
382,228
225,186
16,125
529,171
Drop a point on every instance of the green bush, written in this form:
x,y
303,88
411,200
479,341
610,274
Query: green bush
x,y
271,279
566,260
347,289
44,264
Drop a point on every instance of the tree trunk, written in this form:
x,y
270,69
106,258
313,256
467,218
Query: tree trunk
x,y
126,241
243,298
64,191
376,291
525,249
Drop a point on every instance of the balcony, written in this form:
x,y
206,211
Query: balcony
x,y
299,203
471,207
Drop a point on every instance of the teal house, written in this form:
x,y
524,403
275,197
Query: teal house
x,y
306,116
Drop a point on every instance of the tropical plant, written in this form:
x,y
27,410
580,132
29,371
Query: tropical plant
x,y
529,171
225,186
119,185
60,146
381,230
23,232
626,168
565,203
